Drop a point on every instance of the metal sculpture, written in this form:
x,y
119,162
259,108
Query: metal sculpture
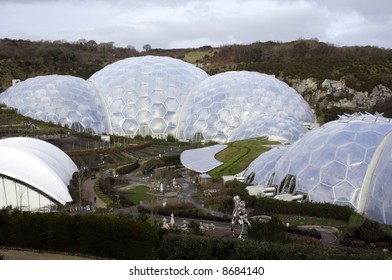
x,y
240,216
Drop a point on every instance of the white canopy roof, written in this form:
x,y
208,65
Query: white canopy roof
x,y
39,164
203,159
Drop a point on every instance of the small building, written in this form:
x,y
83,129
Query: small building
x,y
204,180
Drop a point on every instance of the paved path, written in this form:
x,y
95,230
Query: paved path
x,y
327,233
88,193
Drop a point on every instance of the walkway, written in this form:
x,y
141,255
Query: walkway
x,y
88,193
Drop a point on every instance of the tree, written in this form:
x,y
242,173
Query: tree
x,y
147,47
370,231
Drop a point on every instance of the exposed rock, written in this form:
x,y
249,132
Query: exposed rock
x,y
335,93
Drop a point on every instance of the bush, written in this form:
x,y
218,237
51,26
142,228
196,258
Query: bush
x,y
371,231
273,231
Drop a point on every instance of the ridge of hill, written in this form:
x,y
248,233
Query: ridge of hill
x,y
361,69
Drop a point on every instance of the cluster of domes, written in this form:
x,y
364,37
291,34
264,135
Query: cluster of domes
x,y
344,162
159,96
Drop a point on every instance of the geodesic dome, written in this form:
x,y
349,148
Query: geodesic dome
x,y
284,129
260,170
220,104
377,196
159,96
143,95
333,164
64,100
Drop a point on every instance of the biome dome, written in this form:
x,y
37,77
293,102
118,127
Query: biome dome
x,y
283,129
158,96
344,162
260,170
144,94
219,105
64,100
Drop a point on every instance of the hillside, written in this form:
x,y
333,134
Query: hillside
x,y
304,64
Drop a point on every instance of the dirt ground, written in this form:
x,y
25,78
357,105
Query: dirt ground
x,y
33,255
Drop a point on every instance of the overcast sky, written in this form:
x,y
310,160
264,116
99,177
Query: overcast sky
x,y
194,23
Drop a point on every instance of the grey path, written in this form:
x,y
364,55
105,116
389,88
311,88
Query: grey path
x,y
88,193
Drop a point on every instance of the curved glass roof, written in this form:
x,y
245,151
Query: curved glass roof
x,y
378,195
64,100
260,170
330,163
220,104
38,164
157,96
280,128
144,94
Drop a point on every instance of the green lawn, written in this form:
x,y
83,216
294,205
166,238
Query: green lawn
x,y
238,155
137,194
299,220
194,56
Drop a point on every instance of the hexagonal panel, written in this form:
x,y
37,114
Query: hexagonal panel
x,y
368,139
333,173
130,110
340,138
158,96
171,118
220,138
117,118
350,154
343,191
356,174
308,178
202,114
322,156
172,104
144,103
131,96
117,105
222,126
74,116
143,117
158,110
211,119
130,126
322,193
158,125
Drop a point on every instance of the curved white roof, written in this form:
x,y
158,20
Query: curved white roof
x,y
202,159
39,164
59,99
147,92
220,104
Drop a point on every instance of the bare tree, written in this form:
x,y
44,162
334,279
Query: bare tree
x,y
147,47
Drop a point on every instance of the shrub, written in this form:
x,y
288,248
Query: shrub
x,y
371,231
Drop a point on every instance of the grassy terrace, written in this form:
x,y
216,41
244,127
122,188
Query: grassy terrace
x,y
238,155
137,194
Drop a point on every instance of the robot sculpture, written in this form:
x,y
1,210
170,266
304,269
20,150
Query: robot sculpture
x,y
240,216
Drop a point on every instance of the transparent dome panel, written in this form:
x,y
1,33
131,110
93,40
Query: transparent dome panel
x,y
156,85
57,96
238,96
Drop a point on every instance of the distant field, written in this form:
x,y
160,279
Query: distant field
x,y
238,155
194,56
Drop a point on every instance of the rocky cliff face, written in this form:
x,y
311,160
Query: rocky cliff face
x,y
335,93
